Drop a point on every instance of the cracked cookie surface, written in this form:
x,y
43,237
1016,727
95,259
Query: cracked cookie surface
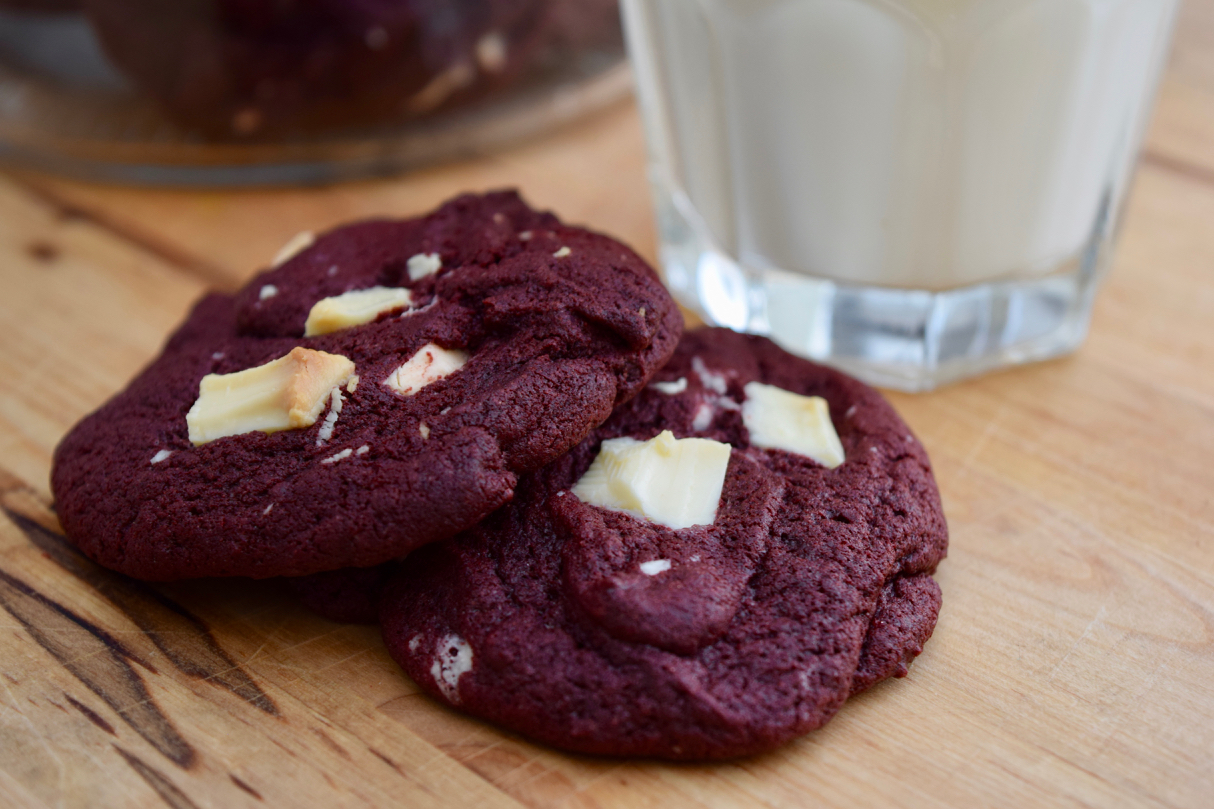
x,y
602,632
547,346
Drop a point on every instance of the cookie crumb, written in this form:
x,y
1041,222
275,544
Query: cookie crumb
x,y
424,429
341,456
525,236
268,291
326,429
564,251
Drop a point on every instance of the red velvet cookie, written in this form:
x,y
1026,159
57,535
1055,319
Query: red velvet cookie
x,y
606,632
348,596
495,339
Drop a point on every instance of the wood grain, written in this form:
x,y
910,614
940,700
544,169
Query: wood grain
x,y
1073,664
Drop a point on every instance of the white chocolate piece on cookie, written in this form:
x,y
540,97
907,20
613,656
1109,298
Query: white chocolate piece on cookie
x,y
676,482
285,394
423,264
780,419
430,364
354,309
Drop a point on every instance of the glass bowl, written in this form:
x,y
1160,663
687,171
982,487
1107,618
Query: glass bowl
x,y
248,92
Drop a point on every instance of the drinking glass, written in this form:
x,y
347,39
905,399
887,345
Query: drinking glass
x,y
912,190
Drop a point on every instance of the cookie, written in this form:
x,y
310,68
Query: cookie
x,y
347,596
265,68
448,355
601,631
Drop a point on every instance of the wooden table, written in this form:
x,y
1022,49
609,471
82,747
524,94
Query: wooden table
x,y
1073,664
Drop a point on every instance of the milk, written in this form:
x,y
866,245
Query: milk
x,y
912,144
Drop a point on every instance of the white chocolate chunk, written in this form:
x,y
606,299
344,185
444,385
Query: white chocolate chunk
x,y
670,388
267,291
162,455
430,364
780,419
672,481
423,264
452,659
654,567
297,244
564,251
354,309
285,394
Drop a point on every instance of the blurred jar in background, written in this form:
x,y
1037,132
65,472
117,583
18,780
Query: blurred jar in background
x,y
205,90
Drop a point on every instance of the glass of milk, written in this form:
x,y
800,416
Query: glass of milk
x,y
912,190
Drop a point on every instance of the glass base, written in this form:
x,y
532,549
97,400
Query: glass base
x,y
911,340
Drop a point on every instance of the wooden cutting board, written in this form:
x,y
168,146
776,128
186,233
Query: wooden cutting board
x,y
1073,664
